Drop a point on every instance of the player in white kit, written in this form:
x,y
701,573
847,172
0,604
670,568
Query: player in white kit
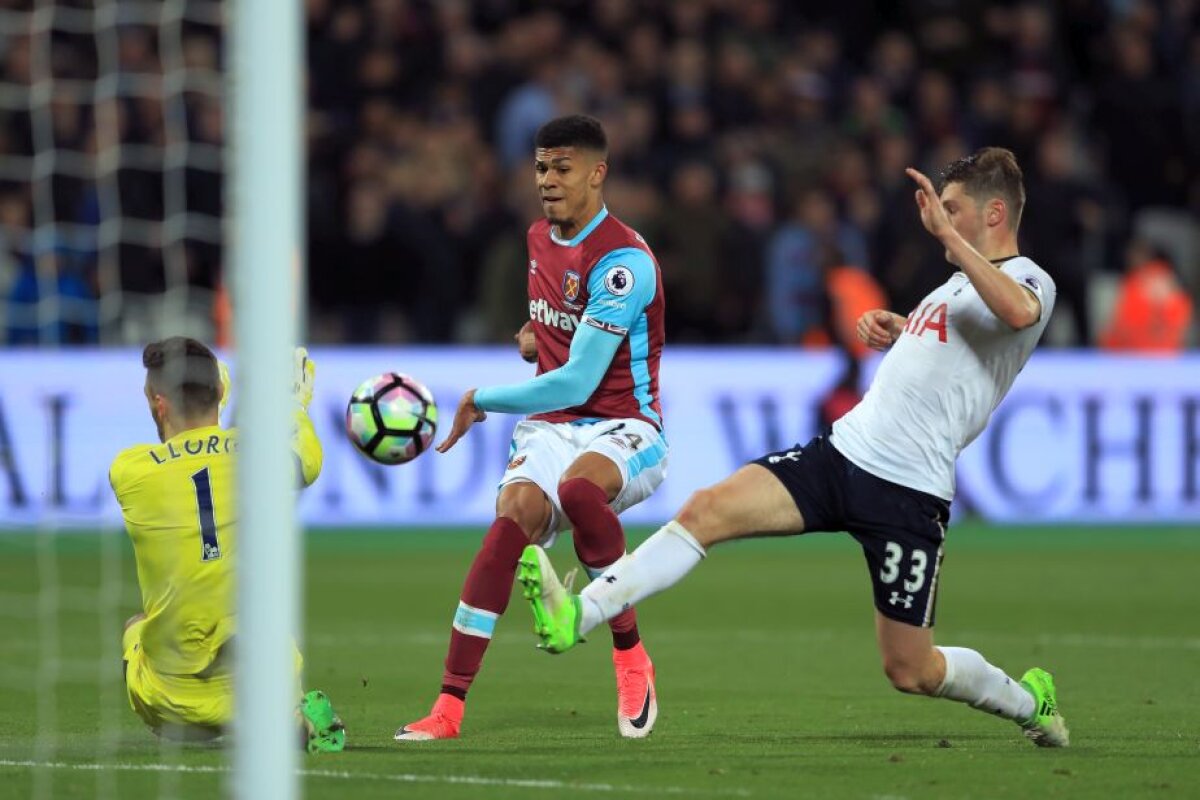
x,y
885,473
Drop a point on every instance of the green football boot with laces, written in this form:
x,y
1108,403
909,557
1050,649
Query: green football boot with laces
x,y
556,612
1046,728
325,732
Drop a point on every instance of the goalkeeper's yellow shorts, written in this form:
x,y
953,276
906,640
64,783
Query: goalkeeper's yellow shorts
x,y
179,701
170,701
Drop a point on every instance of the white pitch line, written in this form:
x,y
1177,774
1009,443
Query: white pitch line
x,y
1092,640
399,777
1084,640
472,780
1122,642
509,639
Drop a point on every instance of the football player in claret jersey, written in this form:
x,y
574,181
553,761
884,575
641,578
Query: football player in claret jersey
x,y
592,444
177,499
885,473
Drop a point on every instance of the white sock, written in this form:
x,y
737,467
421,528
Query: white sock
x,y
596,572
660,562
971,679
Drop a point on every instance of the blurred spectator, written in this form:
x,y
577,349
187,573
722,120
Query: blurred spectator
x,y
797,259
1138,119
851,292
734,76
986,119
871,115
937,116
368,256
750,204
690,237
46,284
844,395
894,66
1061,211
905,259
1153,313
504,289
528,106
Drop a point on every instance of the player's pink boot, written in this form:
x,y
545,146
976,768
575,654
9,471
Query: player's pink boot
x,y
443,722
637,702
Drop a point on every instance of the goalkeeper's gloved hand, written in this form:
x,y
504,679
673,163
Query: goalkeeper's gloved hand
x,y
226,387
304,373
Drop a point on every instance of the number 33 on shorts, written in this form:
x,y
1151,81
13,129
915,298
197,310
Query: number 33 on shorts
x,y
891,567
906,581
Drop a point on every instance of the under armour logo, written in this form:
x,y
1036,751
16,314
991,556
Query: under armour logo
x,y
610,578
533,265
896,600
790,455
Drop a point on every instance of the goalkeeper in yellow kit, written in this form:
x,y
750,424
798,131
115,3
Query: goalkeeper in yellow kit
x,y
177,499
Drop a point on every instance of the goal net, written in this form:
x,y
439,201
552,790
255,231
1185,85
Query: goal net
x,y
111,169
114,120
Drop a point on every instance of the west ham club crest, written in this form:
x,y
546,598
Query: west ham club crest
x,y
570,285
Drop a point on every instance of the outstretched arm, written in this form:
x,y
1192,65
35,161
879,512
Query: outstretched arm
x,y
306,447
620,286
1007,299
592,351
307,452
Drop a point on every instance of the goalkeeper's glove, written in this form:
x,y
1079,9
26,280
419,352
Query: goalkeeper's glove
x,y
304,373
226,387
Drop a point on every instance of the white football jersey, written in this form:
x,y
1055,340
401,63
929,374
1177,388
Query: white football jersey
x,y
938,384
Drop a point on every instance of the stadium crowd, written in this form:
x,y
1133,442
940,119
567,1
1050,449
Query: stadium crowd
x,y
758,145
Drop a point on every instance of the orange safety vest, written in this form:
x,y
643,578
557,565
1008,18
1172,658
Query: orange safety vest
x,y
1152,312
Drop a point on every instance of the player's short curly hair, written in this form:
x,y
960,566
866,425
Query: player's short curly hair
x,y
990,172
185,371
575,130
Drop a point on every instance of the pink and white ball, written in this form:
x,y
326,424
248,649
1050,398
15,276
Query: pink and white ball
x,y
391,418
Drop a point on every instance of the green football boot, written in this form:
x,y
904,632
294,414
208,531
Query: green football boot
x,y
326,733
1046,728
556,612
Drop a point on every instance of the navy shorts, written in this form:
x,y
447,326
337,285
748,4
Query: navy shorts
x,y
901,530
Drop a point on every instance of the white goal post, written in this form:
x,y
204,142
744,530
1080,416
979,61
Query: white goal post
x,y
265,81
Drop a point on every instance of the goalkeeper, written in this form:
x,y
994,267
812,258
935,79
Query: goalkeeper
x,y
177,499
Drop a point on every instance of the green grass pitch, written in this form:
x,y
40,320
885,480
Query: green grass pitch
x,y
769,681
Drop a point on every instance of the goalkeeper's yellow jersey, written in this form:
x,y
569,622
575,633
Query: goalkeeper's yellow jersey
x,y
178,502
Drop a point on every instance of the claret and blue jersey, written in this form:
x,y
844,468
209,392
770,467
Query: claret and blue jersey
x,y
597,310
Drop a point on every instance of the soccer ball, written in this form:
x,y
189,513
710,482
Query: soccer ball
x,y
391,418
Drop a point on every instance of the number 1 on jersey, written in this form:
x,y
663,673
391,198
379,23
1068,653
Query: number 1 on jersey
x,y
210,549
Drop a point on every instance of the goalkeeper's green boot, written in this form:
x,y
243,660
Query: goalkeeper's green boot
x,y
326,733
556,612
1046,728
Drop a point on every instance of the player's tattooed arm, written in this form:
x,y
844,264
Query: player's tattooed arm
x,y
879,329
527,342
